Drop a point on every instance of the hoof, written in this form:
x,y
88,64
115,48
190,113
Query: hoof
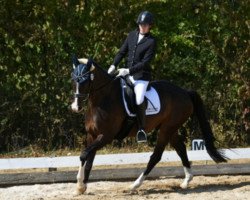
x,y
184,185
137,183
133,188
81,190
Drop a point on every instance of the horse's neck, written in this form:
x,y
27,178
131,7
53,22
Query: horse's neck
x,y
102,89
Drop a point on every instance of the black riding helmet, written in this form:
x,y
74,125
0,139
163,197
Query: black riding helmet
x,y
145,17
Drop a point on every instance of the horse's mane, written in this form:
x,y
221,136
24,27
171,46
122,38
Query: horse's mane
x,y
85,61
102,69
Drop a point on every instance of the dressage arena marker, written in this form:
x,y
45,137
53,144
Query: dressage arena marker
x,y
198,144
116,173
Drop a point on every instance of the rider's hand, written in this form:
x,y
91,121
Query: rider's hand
x,y
123,72
111,69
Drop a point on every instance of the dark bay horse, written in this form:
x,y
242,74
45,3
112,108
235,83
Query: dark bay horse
x,y
105,119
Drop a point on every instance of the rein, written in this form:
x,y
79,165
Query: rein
x,y
102,86
91,91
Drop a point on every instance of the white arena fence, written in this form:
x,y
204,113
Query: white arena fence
x,y
113,159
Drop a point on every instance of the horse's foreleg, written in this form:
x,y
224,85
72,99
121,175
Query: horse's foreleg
x,y
180,147
154,159
81,188
94,146
87,158
88,167
84,172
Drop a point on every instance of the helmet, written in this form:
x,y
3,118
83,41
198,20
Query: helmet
x,y
145,17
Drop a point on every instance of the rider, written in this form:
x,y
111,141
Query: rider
x,y
139,47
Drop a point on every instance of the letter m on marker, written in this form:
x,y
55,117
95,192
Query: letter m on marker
x,y
198,144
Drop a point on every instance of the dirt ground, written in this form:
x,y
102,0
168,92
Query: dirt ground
x,y
202,187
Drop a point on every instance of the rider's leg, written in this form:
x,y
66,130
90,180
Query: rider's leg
x,y
140,88
140,112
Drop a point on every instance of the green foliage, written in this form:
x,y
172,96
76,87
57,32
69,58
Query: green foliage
x,y
203,45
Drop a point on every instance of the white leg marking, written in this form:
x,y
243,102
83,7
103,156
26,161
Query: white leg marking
x,y
138,182
188,177
81,187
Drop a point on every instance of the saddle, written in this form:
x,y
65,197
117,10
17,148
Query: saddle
x,y
151,98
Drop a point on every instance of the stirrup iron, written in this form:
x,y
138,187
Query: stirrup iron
x,y
141,136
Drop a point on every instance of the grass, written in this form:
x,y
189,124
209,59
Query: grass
x,y
35,151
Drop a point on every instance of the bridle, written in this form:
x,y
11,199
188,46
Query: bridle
x,y
77,94
80,78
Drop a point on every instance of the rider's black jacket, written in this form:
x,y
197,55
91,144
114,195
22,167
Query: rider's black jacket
x,y
139,55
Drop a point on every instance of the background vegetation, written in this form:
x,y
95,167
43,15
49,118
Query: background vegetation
x,y
203,45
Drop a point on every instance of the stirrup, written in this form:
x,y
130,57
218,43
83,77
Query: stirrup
x,y
141,136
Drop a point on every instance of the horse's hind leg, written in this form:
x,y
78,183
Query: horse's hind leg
x,y
180,147
154,159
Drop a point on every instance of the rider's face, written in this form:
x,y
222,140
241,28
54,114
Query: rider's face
x,y
144,28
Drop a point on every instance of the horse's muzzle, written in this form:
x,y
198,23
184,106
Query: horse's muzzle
x,y
75,107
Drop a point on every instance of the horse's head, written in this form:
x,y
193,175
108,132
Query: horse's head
x,y
82,75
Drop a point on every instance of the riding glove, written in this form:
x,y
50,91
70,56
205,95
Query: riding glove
x,y
111,69
123,72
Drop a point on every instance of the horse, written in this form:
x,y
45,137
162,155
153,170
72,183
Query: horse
x,y
106,119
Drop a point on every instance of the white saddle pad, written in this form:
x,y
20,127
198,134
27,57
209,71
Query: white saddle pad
x,y
154,105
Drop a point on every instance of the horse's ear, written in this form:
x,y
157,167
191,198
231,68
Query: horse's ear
x,y
75,61
83,61
91,64
92,67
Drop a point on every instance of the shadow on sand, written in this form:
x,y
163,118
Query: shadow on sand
x,y
193,189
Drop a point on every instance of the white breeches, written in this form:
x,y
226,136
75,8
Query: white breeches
x,y
140,88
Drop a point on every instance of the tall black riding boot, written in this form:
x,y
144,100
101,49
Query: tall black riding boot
x,y
140,111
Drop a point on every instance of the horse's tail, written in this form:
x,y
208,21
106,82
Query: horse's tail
x,y
199,111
